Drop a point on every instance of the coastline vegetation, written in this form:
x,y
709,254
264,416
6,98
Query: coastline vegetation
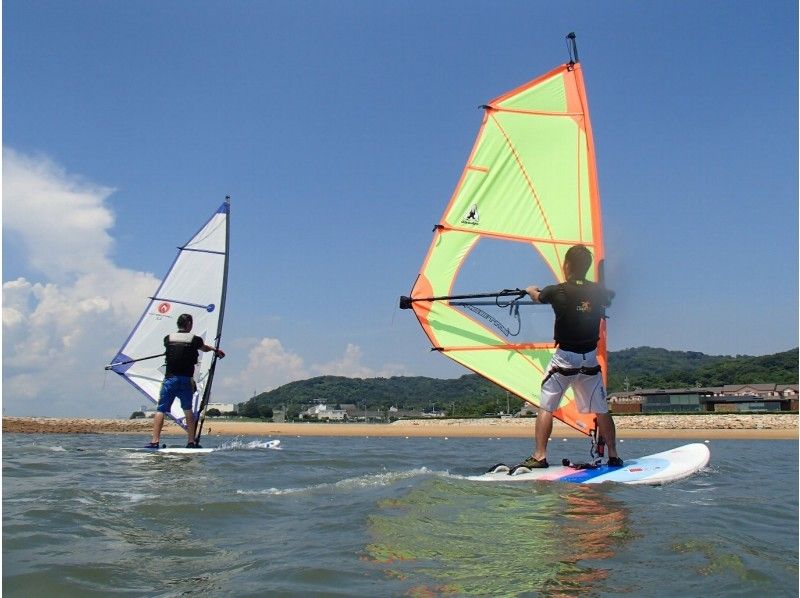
x,y
472,396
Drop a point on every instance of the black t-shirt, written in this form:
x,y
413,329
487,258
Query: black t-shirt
x,y
182,352
579,306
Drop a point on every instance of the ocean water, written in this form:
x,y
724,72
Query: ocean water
x,y
387,517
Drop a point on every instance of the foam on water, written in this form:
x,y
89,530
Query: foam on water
x,y
240,444
366,481
48,447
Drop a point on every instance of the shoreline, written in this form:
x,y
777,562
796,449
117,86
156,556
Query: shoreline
x,y
716,426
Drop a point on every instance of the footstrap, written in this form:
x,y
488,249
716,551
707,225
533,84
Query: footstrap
x,y
568,463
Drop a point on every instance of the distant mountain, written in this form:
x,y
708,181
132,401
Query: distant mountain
x,y
642,367
404,392
646,367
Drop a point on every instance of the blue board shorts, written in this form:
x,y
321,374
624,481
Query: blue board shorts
x,y
179,387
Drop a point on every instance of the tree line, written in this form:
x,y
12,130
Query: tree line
x,y
471,395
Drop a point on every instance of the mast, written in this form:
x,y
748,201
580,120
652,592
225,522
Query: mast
x,y
207,390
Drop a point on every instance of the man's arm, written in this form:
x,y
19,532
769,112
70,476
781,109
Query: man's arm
x,y
201,346
219,352
533,293
544,295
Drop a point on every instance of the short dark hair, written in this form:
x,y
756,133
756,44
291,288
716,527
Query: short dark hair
x,y
579,259
184,320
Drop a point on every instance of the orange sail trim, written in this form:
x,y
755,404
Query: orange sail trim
x,y
597,224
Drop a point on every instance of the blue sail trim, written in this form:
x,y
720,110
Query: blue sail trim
x,y
121,368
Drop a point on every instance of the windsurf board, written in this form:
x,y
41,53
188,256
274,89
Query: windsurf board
x,y
660,468
182,450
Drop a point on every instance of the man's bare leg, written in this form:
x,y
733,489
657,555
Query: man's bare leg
x,y
190,425
158,423
544,427
609,432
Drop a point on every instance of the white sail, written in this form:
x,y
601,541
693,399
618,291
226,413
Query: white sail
x,y
195,284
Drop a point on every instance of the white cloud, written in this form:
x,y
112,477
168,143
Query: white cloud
x,y
60,331
60,219
350,365
270,365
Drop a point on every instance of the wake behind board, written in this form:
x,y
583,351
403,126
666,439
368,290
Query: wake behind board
x,y
660,468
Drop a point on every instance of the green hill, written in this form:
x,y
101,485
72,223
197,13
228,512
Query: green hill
x,y
405,392
642,367
646,367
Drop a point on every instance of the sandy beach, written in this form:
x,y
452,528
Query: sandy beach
x,y
716,426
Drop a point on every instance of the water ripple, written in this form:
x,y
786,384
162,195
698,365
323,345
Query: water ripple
x,y
384,516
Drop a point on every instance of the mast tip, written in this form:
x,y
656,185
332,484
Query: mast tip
x,y
572,48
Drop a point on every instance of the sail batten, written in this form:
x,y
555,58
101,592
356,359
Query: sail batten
x,y
195,283
202,250
208,307
530,180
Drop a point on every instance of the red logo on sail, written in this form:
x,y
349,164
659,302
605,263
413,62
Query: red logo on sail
x,y
164,307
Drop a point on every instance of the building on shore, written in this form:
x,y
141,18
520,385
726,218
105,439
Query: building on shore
x,y
728,398
321,412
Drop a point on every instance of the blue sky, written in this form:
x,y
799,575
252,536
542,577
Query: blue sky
x,y
340,130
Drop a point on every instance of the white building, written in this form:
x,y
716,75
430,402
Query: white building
x,y
321,412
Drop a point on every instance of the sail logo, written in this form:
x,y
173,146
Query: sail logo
x,y
164,308
472,217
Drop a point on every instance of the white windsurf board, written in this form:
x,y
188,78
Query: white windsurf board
x,y
660,468
182,450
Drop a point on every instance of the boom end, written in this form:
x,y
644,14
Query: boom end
x,y
405,302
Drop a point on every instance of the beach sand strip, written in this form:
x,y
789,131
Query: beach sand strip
x,y
714,426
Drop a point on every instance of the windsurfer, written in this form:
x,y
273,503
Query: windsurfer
x,y
181,357
579,306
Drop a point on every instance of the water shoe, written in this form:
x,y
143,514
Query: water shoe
x,y
614,462
532,463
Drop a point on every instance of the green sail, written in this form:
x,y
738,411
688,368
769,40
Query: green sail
x,y
530,179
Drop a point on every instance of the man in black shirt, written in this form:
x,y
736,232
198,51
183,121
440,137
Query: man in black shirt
x,y
181,356
579,306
